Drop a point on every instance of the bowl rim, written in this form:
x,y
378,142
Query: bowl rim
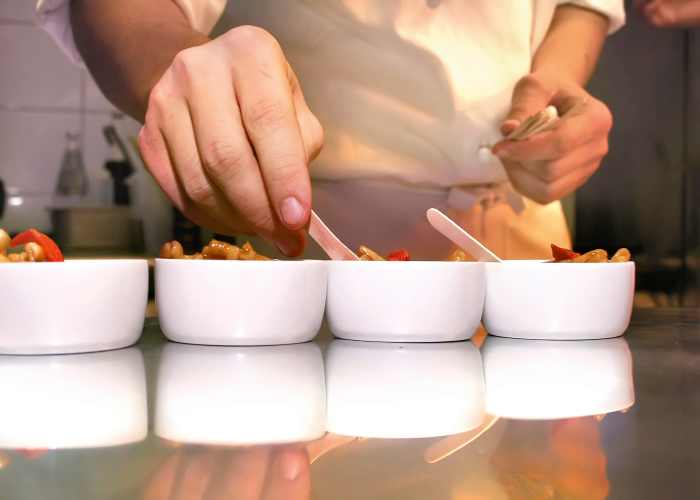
x,y
75,262
241,262
532,262
425,263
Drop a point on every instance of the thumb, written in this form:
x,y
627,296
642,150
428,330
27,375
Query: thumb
x,y
529,96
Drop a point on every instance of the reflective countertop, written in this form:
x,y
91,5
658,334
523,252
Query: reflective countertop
x,y
491,418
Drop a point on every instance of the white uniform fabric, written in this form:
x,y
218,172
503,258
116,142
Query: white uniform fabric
x,y
411,95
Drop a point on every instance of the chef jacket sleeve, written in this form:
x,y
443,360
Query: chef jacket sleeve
x,y
614,10
53,16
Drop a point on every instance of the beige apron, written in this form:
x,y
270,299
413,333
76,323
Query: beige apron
x,y
411,95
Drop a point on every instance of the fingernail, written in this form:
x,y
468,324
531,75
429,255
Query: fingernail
x,y
290,465
503,153
292,211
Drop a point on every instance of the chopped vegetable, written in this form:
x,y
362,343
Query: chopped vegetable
x,y
559,253
51,250
399,255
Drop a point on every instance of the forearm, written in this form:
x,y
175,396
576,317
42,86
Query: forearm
x,y
573,44
128,45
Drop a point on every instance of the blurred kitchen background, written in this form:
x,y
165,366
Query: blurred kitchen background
x,y
643,197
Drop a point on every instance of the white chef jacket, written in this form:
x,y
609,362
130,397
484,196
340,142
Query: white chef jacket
x,y
411,95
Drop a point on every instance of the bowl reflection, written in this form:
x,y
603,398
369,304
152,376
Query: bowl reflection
x,y
72,401
403,390
240,395
545,379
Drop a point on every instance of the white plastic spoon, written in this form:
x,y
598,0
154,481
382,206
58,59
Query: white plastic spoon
x,y
330,243
460,237
451,444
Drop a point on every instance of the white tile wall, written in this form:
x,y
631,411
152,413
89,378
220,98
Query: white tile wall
x,y
17,10
42,96
31,148
34,71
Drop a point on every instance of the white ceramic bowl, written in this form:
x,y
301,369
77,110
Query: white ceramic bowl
x,y
544,379
73,401
73,306
240,395
403,390
536,300
240,302
405,301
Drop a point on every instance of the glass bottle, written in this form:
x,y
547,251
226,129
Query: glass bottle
x,y
72,180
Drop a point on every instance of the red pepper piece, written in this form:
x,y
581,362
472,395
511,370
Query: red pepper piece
x,y
32,453
399,255
53,253
559,253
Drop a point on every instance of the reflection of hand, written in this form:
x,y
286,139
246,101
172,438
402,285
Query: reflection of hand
x,y
257,473
669,13
568,459
552,164
228,137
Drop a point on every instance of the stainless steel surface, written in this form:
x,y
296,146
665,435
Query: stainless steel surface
x,y
650,452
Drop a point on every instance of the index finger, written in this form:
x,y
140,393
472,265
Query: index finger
x,y
266,101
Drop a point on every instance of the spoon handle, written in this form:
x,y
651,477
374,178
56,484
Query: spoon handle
x,y
460,237
330,243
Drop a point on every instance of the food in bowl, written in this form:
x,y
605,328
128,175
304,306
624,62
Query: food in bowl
x,y
215,250
564,255
412,301
367,254
251,302
73,306
37,247
527,300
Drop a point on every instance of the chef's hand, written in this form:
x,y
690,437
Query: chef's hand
x,y
669,13
257,473
228,136
552,164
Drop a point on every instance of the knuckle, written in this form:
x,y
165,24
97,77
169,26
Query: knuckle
x,y
262,220
223,160
148,145
549,171
186,65
284,169
252,38
314,138
184,59
144,139
606,118
530,82
158,97
546,195
265,116
318,135
198,190
562,145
